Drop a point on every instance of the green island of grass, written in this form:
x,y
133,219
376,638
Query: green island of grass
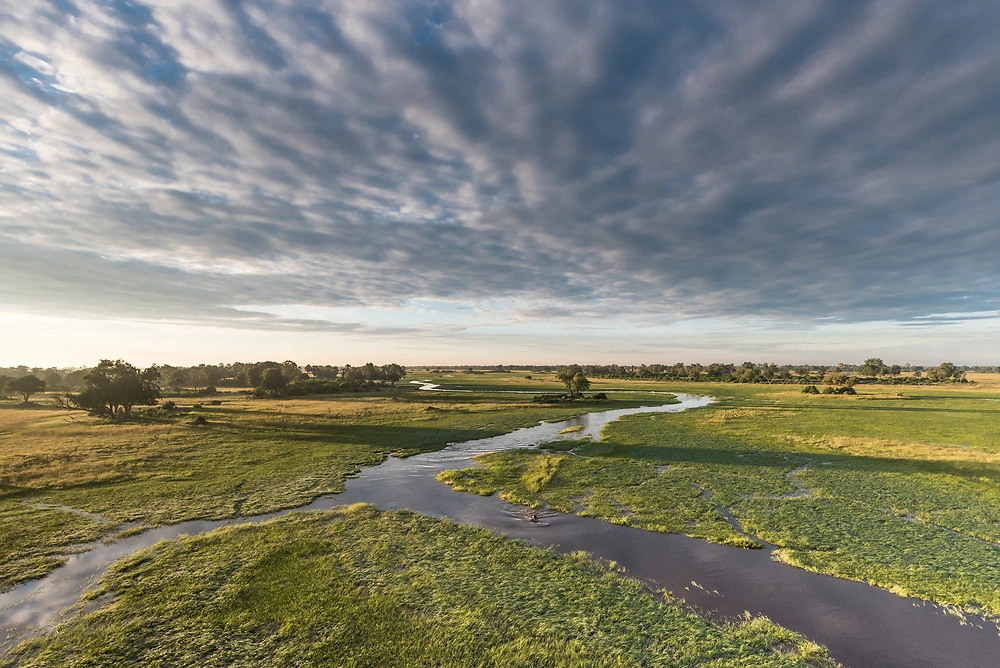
x,y
894,487
359,587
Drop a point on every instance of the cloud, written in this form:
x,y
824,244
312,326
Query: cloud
x,y
656,161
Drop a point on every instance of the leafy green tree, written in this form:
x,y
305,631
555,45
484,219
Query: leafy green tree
x,y
574,379
113,387
3,386
26,386
839,380
945,371
873,366
291,370
352,374
393,373
274,380
325,372
253,374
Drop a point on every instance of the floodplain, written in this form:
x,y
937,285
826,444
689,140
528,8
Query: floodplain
x,y
893,486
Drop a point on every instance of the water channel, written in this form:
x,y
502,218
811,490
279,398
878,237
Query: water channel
x,y
862,625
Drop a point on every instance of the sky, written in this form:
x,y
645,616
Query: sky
x,y
508,181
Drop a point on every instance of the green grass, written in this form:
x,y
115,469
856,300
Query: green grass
x,y
356,587
253,456
899,491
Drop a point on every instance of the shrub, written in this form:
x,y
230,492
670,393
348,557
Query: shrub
x,y
549,398
810,389
169,405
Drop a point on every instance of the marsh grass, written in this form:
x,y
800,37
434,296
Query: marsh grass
x,y
356,587
251,457
896,487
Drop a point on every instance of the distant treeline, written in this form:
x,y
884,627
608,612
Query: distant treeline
x,y
264,379
55,379
274,379
872,370
280,378
288,378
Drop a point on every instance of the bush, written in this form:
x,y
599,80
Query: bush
x,y
810,389
197,407
549,398
215,402
169,405
600,396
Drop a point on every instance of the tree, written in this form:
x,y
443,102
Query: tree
x,y
274,380
573,378
291,370
26,386
254,373
178,380
839,380
945,371
113,387
873,366
3,386
393,372
370,373
325,372
53,380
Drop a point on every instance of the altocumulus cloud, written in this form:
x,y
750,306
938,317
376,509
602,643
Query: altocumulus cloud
x,y
664,160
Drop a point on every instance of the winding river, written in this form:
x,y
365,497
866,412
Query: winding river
x,y
862,625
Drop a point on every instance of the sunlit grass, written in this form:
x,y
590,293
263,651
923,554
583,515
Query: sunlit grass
x,y
899,487
252,457
359,587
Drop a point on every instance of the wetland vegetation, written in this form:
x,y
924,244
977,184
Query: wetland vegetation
x,y
360,587
893,486
68,478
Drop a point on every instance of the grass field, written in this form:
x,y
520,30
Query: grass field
x,y
356,587
898,487
66,478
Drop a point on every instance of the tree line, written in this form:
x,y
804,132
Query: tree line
x,y
872,370
114,387
269,379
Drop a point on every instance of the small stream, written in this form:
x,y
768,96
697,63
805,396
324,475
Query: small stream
x,y
862,625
